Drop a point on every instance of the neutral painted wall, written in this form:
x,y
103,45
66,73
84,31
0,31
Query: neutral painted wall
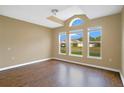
x,y
122,65
111,43
22,42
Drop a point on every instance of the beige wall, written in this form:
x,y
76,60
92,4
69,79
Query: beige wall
x,y
28,42
22,42
111,43
122,65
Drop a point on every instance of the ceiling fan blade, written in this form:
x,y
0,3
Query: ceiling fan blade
x,y
55,19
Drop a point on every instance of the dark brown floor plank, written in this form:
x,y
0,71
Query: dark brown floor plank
x,y
54,73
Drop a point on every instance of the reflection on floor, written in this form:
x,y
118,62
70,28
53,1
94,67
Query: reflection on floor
x,y
54,73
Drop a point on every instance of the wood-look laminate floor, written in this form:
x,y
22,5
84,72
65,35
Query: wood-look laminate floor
x,y
54,73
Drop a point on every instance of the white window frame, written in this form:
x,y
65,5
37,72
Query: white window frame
x,y
70,24
70,45
88,43
60,43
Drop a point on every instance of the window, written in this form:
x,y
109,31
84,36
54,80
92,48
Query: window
x,y
76,22
94,42
62,43
76,43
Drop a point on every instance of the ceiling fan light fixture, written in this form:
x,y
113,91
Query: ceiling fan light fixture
x,y
54,11
54,17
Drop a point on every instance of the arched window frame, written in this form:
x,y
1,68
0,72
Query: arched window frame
x,y
70,24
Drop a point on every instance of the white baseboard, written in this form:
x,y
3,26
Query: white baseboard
x,y
42,60
106,68
28,63
122,78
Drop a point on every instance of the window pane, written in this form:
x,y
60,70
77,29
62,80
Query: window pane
x,y
76,42
63,38
94,49
76,22
95,35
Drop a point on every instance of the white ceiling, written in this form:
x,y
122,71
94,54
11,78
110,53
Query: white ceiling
x,y
38,13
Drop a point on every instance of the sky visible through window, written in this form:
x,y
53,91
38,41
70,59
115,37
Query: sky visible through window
x,y
73,35
95,34
77,22
77,35
63,37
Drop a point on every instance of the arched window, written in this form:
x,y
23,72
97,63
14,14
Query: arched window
x,y
76,22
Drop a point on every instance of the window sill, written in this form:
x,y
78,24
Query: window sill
x,y
75,55
94,57
62,54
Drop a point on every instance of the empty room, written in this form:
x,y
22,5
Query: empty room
x,y
61,45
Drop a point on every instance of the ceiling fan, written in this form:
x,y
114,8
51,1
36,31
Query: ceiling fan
x,y
54,18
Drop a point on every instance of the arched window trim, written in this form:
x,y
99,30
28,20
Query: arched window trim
x,y
70,24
